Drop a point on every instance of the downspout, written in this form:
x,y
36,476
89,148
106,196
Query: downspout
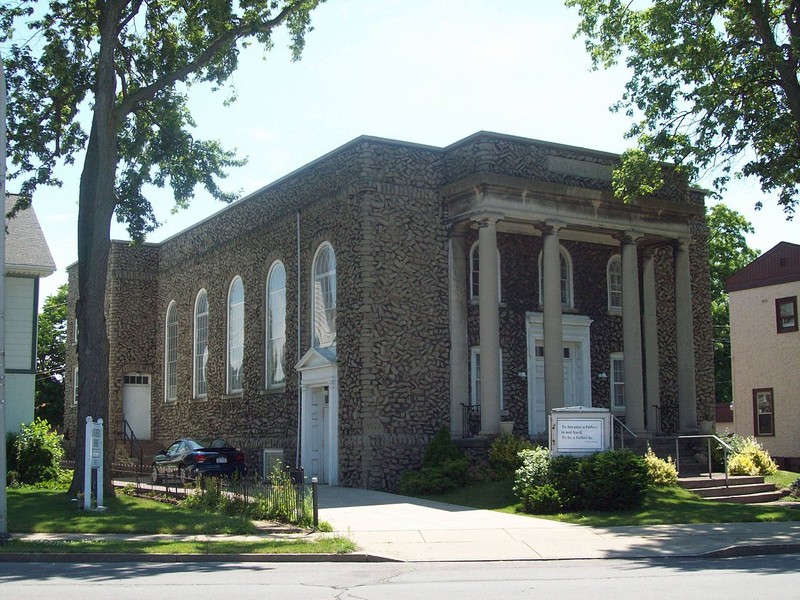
x,y
299,376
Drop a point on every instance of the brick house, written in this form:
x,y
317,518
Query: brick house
x,y
498,271
765,350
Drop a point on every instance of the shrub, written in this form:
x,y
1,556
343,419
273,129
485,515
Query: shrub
x,y
565,476
440,449
533,472
504,454
750,458
39,453
543,500
660,471
614,481
794,488
444,468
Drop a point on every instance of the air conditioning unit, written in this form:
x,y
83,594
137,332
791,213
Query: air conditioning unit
x,y
269,458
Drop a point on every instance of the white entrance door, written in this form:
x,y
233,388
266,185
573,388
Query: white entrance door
x,y
136,404
577,377
320,425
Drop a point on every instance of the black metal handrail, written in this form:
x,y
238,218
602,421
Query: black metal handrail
x,y
134,444
471,420
622,429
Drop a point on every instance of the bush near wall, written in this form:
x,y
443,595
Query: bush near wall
x,y
444,468
38,453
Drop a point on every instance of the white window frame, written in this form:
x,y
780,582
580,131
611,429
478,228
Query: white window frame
x,y
325,315
75,387
617,380
171,353
275,371
614,284
235,337
200,347
475,379
565,264
474,274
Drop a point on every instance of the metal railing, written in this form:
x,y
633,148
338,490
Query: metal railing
x,y
726,449
615,422
129,438
471,419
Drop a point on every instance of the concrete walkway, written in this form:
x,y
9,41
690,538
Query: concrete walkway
x,y
409,529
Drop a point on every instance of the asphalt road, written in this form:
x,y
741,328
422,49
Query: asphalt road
x,y
734,578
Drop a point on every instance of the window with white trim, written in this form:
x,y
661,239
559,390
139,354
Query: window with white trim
x,y
617,381
324,297
614,282
200,344
565,262
235,335
276,325
475,377
474,273
75,387
171,354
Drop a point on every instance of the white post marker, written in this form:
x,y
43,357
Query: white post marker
x,y
3,458
93,463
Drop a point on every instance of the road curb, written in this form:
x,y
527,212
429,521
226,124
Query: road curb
x,y
100,557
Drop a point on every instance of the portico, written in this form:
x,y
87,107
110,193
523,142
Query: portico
x,y
564,362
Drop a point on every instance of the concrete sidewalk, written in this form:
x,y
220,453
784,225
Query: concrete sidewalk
x,y
410,529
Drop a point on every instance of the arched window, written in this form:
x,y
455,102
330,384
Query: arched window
x,y
614,280
276,325
171,354
235,335
324,297
567,300
200,344
474,272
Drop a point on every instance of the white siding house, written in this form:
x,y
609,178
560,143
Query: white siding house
x,y
27,259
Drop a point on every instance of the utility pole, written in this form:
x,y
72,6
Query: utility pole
x,y
3,459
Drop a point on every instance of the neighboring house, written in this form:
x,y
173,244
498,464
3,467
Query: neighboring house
x,y
498,272
28,259
765,349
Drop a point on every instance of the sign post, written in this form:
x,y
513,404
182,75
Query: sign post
x,y
93,462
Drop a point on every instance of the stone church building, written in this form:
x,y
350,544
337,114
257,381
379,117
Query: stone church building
x,y
341,315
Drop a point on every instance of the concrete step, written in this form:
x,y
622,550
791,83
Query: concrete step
x,y
694,483
734,490
739,489
750,498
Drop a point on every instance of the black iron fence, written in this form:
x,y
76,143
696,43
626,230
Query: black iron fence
x,y
471,418
285,497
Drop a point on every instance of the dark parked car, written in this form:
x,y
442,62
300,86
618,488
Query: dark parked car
x,y
187,458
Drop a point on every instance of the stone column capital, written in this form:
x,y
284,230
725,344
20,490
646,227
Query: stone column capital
x,y
629,237
551,227
487,218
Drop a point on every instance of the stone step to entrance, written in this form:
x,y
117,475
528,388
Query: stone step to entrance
x,y
739,489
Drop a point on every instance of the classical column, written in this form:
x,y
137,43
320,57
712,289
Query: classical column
x,y
632,335
650,335
553,333
684,318
459,349
489,312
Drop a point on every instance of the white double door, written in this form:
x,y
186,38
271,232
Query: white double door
x,y
577,367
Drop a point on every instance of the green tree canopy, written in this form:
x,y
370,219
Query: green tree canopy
x,y
51,347
713,85
728,253
113,77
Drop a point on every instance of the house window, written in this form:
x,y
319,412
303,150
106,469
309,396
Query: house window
x,y
75,387
617,381
324,297
75,331
786,314
171,354
475,372
235,335
200,344
614,280
276,325
566,279
763,412
474,272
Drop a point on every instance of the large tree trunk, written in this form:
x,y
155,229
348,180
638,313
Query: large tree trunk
x,y
96,207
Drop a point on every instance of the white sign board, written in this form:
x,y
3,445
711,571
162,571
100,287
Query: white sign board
x,y
93,463
580,430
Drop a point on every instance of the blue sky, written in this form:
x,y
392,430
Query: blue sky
x,y
423,71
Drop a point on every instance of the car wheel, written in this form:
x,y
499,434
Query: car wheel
x,y
155,478
183,476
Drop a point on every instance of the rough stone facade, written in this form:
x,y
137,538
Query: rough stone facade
x,y
379,204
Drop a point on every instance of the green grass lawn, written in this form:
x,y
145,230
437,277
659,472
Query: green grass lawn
x,y
662,506
32,510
